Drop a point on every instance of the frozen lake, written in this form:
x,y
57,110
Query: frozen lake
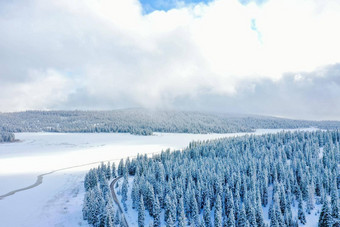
x,y
57,201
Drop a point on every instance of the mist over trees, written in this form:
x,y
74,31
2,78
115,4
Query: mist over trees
x,y
277,179
145,122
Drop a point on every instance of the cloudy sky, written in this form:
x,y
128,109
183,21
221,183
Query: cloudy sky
x,y
273,57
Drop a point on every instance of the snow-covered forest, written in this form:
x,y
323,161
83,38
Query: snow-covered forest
x,y
283,179
6,137
145,122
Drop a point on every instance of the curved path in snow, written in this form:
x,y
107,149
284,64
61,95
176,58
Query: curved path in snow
x,y
41,177
114,196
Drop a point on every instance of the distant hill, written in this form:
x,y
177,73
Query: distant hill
x,y
145,122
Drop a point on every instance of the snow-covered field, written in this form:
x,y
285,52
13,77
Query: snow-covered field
x,y
65,158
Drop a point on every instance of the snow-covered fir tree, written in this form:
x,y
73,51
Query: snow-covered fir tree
x,y
141,214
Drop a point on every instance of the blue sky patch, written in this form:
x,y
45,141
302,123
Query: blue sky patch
x,y
165,5
151,5
258,2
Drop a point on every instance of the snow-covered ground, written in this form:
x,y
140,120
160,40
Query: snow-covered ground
x,y
65,158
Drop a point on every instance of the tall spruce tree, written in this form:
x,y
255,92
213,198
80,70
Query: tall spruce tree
x,y
231,218
218,212
141,213
170,221
325,219
207,212
301,213
194,210
157,213
242,219
114,174
181,213
335,204
121,168
124,193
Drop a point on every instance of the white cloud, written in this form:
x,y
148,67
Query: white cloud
x,y
107,50
45,89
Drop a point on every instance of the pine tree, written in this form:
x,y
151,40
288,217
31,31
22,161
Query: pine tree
x,y
275,214
127,166
259,213
274,223
167,207
252,217
97,205
231,218
109,219
229,202
150,199
121,168
206,213
108,171
237,202
114,174
273,219
335,204
288,219
242,219
194,210
170,221
124,193
218,212
135,194
117,217
141,214
301,213
181,213
157,213
88,200
310,200
265,189
325,219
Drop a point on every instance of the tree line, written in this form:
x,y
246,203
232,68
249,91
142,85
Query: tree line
x,y
145,122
